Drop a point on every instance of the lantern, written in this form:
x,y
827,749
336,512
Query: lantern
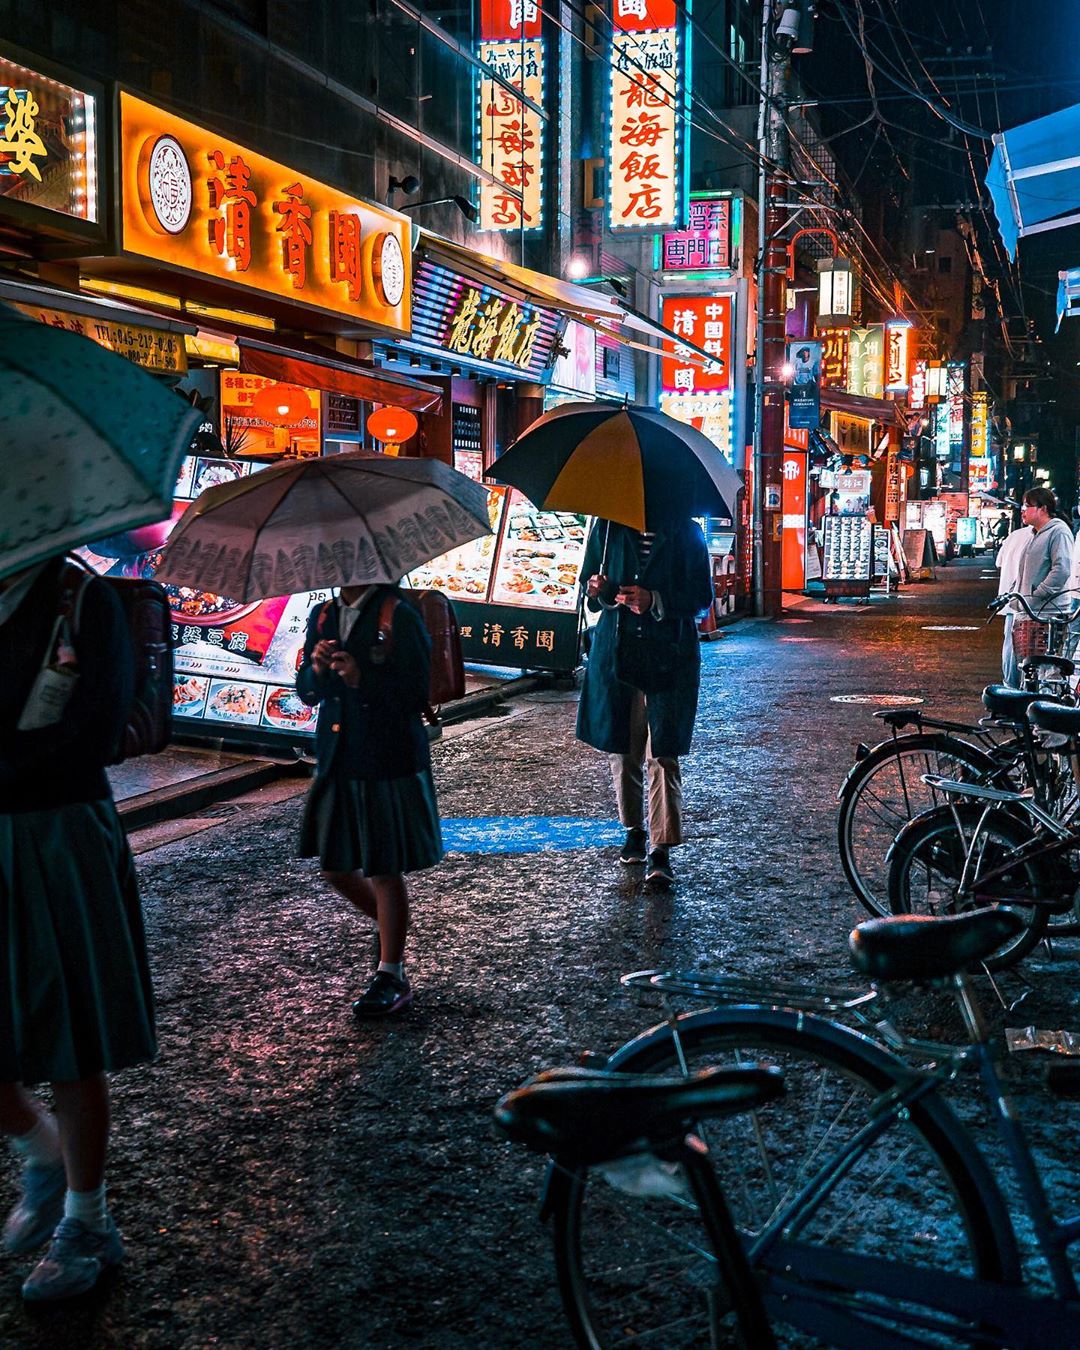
x,y
282,405
392,425
834,291
937,377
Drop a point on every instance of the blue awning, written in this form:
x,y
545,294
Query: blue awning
x,y
1068,295
1034,176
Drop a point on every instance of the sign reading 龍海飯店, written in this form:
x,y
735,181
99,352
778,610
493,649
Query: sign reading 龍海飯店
x,y
646,86
195,200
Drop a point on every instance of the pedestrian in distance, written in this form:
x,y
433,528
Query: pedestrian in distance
x,y
75,993
1045,564
371,815
640,693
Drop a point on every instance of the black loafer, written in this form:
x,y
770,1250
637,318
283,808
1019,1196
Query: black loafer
x,y
385,994
635,849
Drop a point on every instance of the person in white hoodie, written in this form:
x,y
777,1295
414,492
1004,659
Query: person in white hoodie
x,y
1008,561
1045,565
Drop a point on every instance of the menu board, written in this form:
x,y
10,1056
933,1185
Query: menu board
x,y
847,548
235,664
465,572
539,558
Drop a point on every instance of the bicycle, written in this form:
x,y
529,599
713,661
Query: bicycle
x,y
868,1215
885,787
995,845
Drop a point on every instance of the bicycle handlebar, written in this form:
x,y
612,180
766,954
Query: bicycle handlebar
x,y
1000,601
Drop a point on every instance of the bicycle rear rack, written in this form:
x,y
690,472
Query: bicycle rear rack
x,y
747,989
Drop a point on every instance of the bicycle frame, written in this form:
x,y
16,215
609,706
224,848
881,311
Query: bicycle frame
x,y
839,1296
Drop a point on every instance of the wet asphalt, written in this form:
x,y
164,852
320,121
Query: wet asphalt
x,y
286,1178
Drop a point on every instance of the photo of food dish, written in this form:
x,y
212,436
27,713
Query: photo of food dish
x,y
551,533
529,535
520,584
189,695
567,518
553,589
186,480
285,708
204,608
211,472
234,702
576,531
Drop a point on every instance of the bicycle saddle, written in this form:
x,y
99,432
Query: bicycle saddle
x,y
593,1116
1061,663
1006,704
924,947
1048,715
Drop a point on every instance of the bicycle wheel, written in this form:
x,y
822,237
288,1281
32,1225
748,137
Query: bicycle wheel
x,y
883,791
962,843
636,1268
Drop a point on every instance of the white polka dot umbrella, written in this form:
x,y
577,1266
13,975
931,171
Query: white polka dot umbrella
x,y
90,444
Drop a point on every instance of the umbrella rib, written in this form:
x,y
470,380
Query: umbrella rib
x,y
361,516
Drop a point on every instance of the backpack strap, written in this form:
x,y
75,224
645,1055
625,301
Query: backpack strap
x,y
385,640
320,622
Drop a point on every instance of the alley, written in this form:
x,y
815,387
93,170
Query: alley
x,y
285,1178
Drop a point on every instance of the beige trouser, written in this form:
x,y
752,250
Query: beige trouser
x,y
665,784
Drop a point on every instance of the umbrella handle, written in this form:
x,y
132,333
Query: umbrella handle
x,y
607,541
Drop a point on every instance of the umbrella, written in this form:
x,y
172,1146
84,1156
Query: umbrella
x,y
624,463
90,443
345,520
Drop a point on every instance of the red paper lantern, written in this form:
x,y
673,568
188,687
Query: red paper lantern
x,y
392,425
282,405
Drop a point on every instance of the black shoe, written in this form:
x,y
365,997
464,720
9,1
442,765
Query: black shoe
x,y
634,850
385,994
660,868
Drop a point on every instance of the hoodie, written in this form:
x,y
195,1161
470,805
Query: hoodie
x,y
1045,568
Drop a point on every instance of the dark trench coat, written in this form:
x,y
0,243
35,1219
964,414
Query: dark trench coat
x,y
679,569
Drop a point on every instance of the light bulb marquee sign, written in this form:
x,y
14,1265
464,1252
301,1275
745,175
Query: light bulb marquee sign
x,y
511,134
194,200
644,173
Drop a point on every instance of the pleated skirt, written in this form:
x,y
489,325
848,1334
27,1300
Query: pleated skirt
x,y
75,991
381,827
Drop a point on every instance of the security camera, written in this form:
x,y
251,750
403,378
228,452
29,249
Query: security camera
x,y
795,28
787,29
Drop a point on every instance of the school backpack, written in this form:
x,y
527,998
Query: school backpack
x,y
149,620
447,680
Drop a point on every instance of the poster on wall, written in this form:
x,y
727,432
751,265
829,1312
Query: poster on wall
x,y
251,421
804,388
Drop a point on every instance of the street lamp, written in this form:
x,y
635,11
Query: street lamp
x,y
834,292
937,377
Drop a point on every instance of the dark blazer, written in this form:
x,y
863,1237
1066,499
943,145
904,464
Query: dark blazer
x,y
679,569
63,763
376,730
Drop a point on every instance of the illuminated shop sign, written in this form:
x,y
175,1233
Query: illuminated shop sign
x,y
643,145
897,357
197,201
511,134
834,356
152,348
956,382
866,361
706,321
917,392
710,413
458,318
708,243
980,417
48,143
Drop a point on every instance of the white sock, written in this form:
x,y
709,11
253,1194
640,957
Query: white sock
x,y
40,1144
395,968
88,1207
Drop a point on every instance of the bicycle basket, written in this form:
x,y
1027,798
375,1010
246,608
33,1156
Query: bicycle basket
x,y
1030,639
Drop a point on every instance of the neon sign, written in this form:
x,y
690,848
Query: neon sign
x,y
511,134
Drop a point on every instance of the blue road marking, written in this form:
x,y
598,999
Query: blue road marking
x,y
528,834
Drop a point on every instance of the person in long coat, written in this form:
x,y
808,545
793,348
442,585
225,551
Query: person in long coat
x,y
660,582
371,815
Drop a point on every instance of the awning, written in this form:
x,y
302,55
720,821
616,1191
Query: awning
x,y
1068,295
1034,177
884,410
31,294
605,314
336,374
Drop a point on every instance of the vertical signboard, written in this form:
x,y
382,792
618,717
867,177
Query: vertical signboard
x,y
804,386
644,133
866,361
511,133
710,240
917,390
979,475
834,357
692,392
956,381
897,357
793,538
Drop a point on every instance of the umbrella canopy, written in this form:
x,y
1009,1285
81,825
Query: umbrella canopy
x,y
346,520
633,465
89,444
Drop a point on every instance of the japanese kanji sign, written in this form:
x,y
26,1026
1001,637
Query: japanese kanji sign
x,y
897,357
706,243
643,143
512,136
704,320
194,200
48,143
917,392
152,348
834,357
866,362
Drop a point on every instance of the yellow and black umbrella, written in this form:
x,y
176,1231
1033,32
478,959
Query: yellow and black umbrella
x,y
620,462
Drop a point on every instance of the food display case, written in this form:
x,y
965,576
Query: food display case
x,y
516,591
848,557
235,664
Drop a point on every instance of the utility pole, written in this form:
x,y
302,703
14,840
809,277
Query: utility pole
x,y
773,186
773,152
